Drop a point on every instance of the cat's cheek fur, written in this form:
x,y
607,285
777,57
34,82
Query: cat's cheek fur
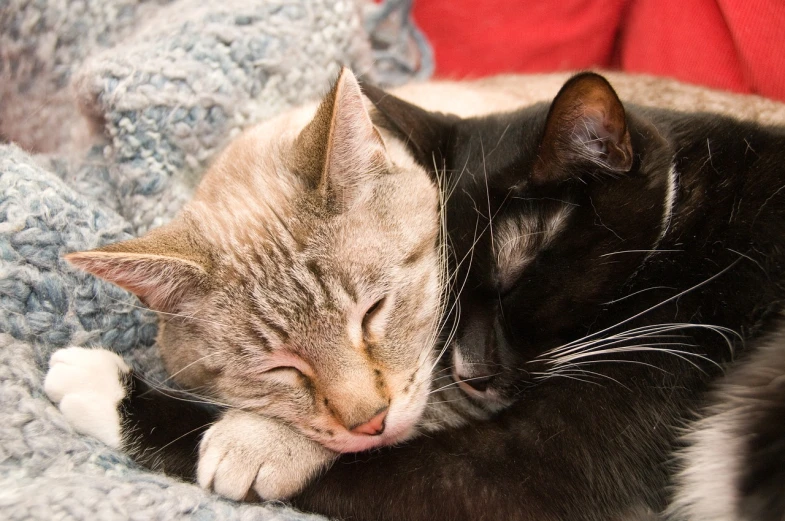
x,y
88,385
244,452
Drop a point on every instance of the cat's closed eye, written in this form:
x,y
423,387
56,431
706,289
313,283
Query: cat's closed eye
x,y
287,365
370,313
282,368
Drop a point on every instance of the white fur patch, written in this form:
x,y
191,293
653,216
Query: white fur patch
x,y
86,385
515,245
706,486
517,242
670,200
244,452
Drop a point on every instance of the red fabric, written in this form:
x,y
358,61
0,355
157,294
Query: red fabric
x,y
736,45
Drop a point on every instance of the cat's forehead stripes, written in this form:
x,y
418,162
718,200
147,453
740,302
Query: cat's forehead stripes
x,y
518,238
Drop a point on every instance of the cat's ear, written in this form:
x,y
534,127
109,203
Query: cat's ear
x,y
340,149
426,134
162,268
586,125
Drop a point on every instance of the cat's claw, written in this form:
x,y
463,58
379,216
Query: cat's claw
x,y
245,452
87,385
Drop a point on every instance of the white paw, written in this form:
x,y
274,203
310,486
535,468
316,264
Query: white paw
x,y
244,452
86,384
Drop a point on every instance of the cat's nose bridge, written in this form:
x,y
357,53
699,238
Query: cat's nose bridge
x,y
479,336
364,418
359,400
372,427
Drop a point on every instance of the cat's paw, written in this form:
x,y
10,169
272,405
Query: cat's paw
x,y
244,452
87,386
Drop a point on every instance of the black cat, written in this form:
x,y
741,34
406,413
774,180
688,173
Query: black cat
x,y
617,261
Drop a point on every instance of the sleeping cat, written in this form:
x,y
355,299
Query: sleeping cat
x,y
612,257
302,282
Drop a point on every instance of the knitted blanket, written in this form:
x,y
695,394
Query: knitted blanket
x,y
120,104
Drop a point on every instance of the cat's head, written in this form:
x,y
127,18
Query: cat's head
x,y
303,281
551,209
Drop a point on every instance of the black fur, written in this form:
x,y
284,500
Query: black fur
x,y
594,444
162,429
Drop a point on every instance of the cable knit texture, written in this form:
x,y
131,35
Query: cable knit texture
x,y
120,105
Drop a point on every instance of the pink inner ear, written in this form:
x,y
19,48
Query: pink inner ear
x,y
160,282
355,150
586,122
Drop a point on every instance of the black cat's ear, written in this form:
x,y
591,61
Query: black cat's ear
x,y
586,125
426,134
340,150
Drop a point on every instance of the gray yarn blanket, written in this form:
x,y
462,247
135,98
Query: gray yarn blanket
x,y
120,105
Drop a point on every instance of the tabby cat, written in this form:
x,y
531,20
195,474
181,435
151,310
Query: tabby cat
x,y
302,282
612,260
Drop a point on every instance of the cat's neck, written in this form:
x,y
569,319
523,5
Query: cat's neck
x,y
726,232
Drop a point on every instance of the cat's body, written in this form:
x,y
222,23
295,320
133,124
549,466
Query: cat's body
x,y
678,217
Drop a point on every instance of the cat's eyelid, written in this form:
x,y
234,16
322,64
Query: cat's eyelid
x,y
288,360
375,306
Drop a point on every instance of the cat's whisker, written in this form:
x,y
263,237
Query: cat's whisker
x,y
176,315
456,300
637,251
456,382
655,348
613,361
545,199
662,303
655,328
585,372
654,332
568,376
636,293
457,180
610,348
487,193
158,451
210,355
627,336
470,254
446,401
173,393
446,282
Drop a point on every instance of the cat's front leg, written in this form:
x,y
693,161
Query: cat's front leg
x,y
244,452
88,386
102,397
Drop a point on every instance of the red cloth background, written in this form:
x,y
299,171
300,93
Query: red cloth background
x,y
736,45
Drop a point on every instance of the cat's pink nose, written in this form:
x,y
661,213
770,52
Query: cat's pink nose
x,y
374,426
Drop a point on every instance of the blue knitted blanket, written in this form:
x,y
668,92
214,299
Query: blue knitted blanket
x,y
120,104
